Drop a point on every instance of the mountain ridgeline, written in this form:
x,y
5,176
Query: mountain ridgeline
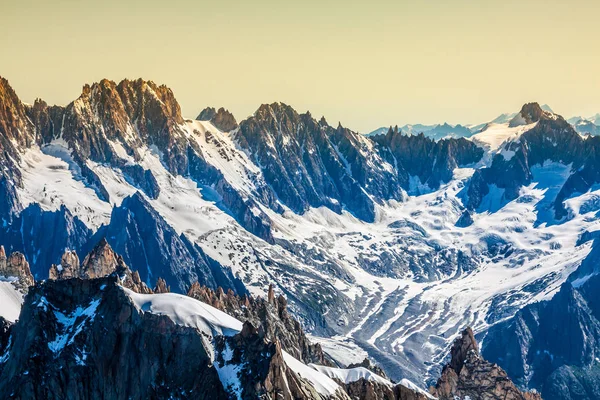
x,y
305,162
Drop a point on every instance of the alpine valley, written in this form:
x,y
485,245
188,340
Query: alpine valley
x,y
146,255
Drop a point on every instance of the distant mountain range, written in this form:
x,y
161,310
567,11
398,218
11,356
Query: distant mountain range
x,y
585,126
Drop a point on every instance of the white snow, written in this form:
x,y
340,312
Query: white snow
x,y
496,134
50,181
351,375
70,325
186,311
10,301
321,382
229,373
540,247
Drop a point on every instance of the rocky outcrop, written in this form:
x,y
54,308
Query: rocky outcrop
x,y
29,235
16,268
366,363
364,389
469,376
269,315
161,286
102,261
221,119
84,339
265,373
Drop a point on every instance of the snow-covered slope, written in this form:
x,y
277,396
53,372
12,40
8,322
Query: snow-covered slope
x,y
10,301
186,311
493,135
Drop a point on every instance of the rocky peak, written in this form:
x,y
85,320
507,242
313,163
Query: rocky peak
x,y
462,348
530,113
102,261
16,266
468,375
161,285
14,123
221,119
68,267
366,363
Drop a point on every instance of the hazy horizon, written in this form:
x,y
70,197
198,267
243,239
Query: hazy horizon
x,y
365,65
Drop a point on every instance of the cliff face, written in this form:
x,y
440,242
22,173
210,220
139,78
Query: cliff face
x,y
84,339
269,315
469,376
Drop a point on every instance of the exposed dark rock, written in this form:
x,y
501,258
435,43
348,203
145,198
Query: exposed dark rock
x,y
465,220
15,266
269,315
222,119
110,350
161,286
5,328
310,163
366,363
551,139
28,234
102,261
265,373
468,375
152,247
432,162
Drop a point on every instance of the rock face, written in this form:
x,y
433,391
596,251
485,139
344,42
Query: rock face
x,y
15,266
270,315
222,119
28,234
468,375
84,339
366,363
102,261
265,373
553,346
432,162
310,163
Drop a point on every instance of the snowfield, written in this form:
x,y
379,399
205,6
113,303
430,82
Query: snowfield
x,y
494,134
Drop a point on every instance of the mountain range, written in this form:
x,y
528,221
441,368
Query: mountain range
x,y
383,246
585,126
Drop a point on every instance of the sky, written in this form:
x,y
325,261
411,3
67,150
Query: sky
x,y
366,64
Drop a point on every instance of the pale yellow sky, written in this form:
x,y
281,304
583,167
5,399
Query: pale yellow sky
x,y
366,64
